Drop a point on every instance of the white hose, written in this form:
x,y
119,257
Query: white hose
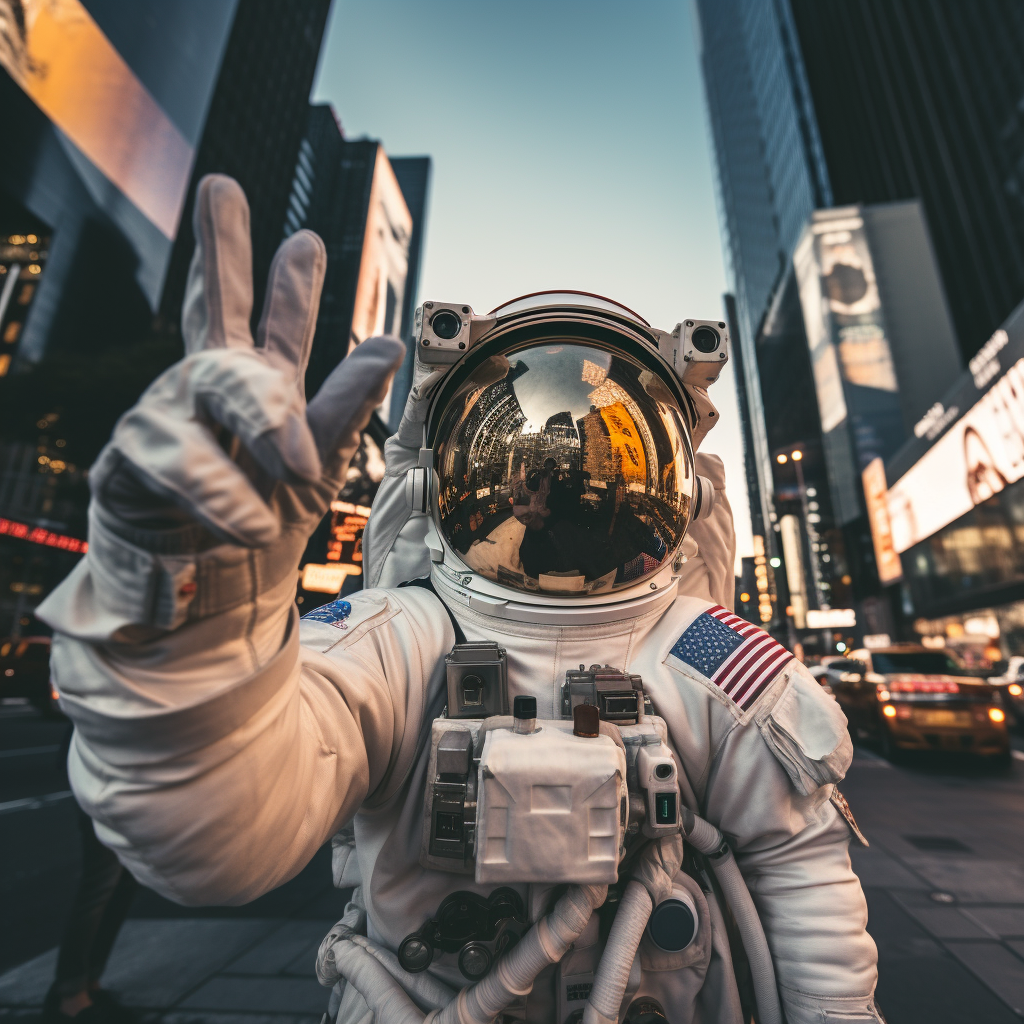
x,y
390,1005
428,992
514,974
706,838
612,977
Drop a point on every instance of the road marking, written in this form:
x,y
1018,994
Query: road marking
x,y
25,751
33,803
1018,755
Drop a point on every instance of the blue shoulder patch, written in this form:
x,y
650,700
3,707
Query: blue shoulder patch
x,y
334,613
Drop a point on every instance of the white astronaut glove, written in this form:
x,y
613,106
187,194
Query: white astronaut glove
x,y
221,464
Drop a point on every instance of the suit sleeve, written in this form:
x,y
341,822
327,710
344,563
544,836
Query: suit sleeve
x,y
217,758
769,787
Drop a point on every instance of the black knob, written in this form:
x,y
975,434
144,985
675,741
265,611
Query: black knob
x,y
524,708
474,960
415,953
672,925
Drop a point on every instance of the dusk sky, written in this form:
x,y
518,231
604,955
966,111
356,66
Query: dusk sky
x,y
570,150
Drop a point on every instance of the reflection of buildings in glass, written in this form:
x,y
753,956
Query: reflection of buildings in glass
x,y
608,394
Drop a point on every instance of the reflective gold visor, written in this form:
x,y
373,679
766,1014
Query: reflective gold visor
x,y
564,465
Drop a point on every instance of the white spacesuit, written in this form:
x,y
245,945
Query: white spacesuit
x,y
547,865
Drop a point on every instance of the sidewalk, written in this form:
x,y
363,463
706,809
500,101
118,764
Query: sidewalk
x,y
222,966
944,879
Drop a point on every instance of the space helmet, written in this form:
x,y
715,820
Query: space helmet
x,y
558,449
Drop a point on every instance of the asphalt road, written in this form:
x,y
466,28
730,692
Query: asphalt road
x,y
944,874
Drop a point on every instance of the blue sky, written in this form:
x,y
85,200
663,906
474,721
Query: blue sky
x,y
569,147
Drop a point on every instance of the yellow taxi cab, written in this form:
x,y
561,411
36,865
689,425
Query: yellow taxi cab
x,y
915,698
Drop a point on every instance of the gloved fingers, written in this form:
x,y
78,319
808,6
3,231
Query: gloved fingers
x,y
410,428
181,462
253,401
285,331
218,292
356,386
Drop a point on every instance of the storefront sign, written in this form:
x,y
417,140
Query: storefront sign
x,y
831,618
887,561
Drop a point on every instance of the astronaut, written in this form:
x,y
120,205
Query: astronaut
x,y
560,773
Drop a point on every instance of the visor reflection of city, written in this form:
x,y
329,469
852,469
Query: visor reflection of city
x,y
568,470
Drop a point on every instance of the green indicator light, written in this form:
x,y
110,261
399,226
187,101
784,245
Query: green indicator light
x,y
665,809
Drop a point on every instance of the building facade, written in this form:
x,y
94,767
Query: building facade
x,y
252,132
112,111
370,212
848,139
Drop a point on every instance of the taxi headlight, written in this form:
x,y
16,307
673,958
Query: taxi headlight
x,y
1015,689
889,711
997,715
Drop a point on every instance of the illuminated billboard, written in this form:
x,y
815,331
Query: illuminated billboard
x,y
71,71
119,95
851,359
977,456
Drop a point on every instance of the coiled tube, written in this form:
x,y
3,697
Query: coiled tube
x,y
514,974
612,975
706,838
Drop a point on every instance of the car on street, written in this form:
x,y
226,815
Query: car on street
x,y
25,672
1010,686
907,697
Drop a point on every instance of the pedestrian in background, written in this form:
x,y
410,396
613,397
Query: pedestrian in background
x,y
104,894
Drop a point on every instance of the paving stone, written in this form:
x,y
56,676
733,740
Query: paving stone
x,y
919,981
211,1017
26,985
997,967
973,879
153,963
946,922
260,995
157,963
1001,920
876,867
284,950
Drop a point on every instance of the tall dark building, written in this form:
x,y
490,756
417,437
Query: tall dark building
x,y
866,102
370,212
413,173
869,160
256,121
925,99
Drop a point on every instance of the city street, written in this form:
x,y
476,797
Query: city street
x,y
944,878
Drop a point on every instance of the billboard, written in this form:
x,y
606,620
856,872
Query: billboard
x,y
977,456
854,375
62,60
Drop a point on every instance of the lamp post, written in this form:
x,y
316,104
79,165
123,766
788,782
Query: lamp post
x,y
797,457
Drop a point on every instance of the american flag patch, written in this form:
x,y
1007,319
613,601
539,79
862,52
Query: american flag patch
x,y
737,656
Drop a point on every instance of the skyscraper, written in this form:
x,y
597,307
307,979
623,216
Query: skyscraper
x,y
900,118
350,195
814,105
923,99
100,164
413,173
256,120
